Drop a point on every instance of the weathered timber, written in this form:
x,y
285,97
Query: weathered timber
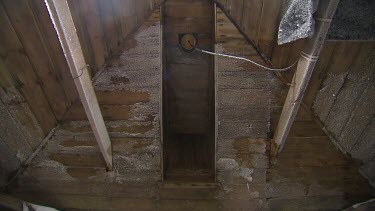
x,y
62,19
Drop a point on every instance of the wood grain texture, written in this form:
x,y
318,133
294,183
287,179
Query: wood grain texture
x,y
188,91
16,59
91,13
69,40
53,46
111,25
30,48
339,92
311,173
24,24
258,19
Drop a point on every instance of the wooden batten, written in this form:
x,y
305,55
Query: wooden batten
x,y
301,78
64,25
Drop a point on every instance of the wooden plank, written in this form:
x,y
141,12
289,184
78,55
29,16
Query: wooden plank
x,y
188,106
281,54
85,173
76,10
357,123
52,43
15,59
69,201
195,25
343,57
78,160
351,91
305,68
251,18
127,129
306,129
195,10
91,15
293,56
269,25
314,203
228,32
320,144
24,24
63,21
87,187
337,175
126,10
111,26
140,11
364,148
122,97
110,112
23,118
318,74
236,10
312,159
337,73
368,170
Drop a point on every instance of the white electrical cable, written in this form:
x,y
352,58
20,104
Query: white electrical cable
x,y
245,59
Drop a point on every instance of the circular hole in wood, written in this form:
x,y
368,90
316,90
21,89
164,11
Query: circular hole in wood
x,y
188,42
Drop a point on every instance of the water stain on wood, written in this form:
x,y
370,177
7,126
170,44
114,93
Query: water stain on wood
x,y
131,44
78,143
132,129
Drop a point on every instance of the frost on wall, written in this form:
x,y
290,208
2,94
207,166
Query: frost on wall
x,y
297,21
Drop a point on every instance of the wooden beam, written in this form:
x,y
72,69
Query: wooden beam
x,y
301,78
66,31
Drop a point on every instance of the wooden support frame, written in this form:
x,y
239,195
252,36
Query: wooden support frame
x,y
305,67
66,31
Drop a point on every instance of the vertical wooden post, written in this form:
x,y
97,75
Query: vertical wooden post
x,y
301,78
66,31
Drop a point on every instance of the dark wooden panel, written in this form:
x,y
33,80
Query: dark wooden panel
x,y
24,24
267,34
188,92
252,18
53,45
77,160
258,19
91,14
125,9
23,74
79,23
111,25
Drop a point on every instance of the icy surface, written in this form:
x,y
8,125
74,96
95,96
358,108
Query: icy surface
x,y
297,21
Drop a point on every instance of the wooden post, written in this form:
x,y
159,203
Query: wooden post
x,y
301,78
66,31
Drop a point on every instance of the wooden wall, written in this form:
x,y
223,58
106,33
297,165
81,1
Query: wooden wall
x,y
340,92
258,19
346,98
103,25
70,168
36,87
188,91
